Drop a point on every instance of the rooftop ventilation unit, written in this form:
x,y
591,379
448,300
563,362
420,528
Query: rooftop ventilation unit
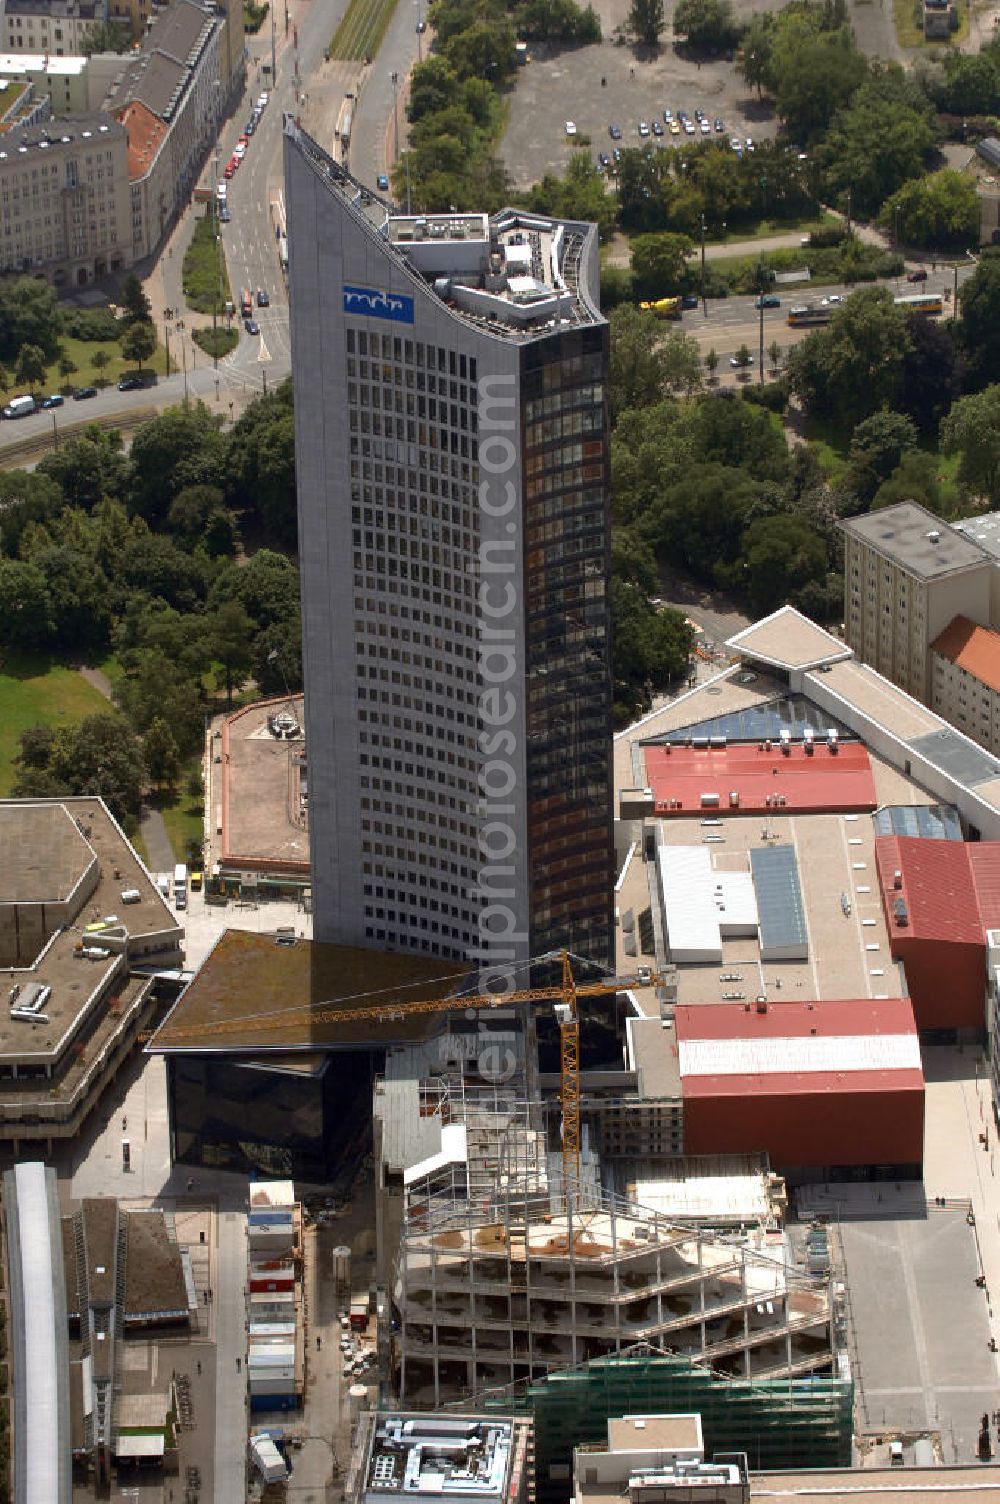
x,y
28,1001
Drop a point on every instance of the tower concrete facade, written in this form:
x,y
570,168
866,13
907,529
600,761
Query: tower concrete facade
x,y
451,419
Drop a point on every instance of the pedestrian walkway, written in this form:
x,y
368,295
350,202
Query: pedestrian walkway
x,y
229,1307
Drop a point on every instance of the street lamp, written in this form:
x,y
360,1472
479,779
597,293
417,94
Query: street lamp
x,y
394,79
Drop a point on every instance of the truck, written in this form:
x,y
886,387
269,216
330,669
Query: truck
x,y
267,1459
246,303
20,407
180,885
359,1313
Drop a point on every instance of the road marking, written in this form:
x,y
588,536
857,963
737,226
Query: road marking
x,y
263,353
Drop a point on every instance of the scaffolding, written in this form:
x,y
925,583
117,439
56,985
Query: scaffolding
x,y
785,1423
505,1270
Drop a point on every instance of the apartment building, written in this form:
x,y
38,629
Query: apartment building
x,y
907,575
61,27
60,80
64,200
965,669
451,419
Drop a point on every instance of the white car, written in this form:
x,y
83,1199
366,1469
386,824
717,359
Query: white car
x,y
262,101
570,128
689,127
643,128
834,299
706,129
239,151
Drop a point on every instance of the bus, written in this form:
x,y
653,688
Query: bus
x,y
929,303
663,308
808,314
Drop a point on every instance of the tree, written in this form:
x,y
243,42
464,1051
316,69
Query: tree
x,y
711,363
979,325
162,756
31,366
136,307
67,365
743,357
154,564
709,26
182,447
106,36
854,366
755,52
486,49
972,430
877,447
26,618
914,479
781,556
99,756
930,372
138,341
646,362
880,138
940,209
88,468
29,315
646,21
100,360
78,596
814,75
658,263
650,647
229,637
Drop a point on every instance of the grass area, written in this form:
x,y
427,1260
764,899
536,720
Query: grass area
x,y
764,229
81,352
362,28
216,342
183,813
907,17
830,444
34,691
204,276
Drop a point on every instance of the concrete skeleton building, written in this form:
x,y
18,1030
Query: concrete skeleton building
x,y
451,374
79,919
922,605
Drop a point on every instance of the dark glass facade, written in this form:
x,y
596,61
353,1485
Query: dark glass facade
x,y
564,412
253,1117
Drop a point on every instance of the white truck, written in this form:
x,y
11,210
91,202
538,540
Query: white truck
x,y
267,1459
180,886
20,407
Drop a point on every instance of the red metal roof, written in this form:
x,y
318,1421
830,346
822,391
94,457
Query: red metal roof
x,y
794,1020
984,857
866,1019
808,782
936,887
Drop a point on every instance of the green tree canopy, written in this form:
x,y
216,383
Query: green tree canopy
x,y
972,430
138,341
182,447
26,618
979,325
878,141
648,362
100,756
29,315
814,74
135,304
877,447
659,263
941,209
31,366
709,26
89,467
781,556
854,366
646,21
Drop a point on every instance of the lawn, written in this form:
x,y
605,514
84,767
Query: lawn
x,y
764,229
216,342
907,17
182,812
362,28
205,280
34,690
81,352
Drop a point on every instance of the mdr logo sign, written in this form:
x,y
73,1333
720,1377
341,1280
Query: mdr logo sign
x,y
378,305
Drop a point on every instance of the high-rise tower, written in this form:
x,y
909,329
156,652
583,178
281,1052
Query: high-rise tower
x,y
451,424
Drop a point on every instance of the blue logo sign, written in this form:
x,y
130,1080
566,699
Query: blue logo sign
x,y
378,305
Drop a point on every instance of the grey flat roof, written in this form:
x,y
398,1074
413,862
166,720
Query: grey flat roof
x,y
781,913
901,534
935,822
956,755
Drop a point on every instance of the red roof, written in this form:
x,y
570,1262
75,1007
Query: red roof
x,y
868,1019
936,887
808,782
794,1019
145,132
972,648
984,857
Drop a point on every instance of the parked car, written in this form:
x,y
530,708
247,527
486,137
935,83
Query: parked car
x,y
251,327
262,100
56,400
675,128
603,160
228,170
689,300
382,183
657,128
738,365
615,132
706,129
919,275
719,127
263,301
131,383
83,392
767,300
570,128
224,214
617,155
643,128
668,115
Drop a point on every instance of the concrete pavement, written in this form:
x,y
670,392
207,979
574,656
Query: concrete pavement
x,y
231,1402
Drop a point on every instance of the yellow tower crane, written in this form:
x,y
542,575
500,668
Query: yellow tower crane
x,y
565,997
